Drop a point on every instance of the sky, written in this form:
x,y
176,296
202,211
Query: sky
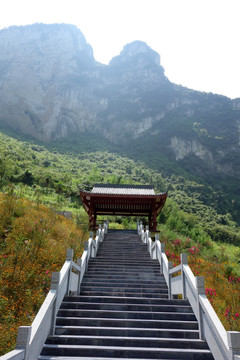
x,y
197,40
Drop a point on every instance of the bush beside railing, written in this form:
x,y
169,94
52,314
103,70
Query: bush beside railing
x,y
30,339
225,345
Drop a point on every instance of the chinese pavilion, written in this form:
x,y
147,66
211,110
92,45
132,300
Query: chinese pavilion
x,y
125,200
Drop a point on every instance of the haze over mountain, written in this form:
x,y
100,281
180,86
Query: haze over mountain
x,y
52,89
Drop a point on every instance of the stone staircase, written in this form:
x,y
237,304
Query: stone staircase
x,y
123,311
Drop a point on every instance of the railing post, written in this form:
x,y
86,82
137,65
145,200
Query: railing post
x,y
102,233
200,291
23,339
184,261
55,279
92,250
233,338
79,263
86,247
162,250
154,252
99,234
146,234
142,233
149,243
69,257
170,266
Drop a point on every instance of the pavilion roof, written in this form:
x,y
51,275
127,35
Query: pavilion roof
x,y
119,189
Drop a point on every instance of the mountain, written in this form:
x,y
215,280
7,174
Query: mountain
x,y
52,89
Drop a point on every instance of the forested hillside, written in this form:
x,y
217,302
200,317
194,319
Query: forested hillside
x,y
54,179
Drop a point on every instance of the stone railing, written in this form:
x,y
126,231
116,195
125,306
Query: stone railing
x,y
30,339
225,345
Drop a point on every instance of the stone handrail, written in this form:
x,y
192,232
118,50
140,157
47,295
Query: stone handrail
x,y
30,339
224,345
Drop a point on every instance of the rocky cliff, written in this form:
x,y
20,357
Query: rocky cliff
x,y
51,87
45,75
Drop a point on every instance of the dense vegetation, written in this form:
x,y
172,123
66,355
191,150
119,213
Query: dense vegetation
x,y
32,177
34,240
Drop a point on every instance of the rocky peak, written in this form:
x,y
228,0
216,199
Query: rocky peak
x,y
135,52
138,63
58,44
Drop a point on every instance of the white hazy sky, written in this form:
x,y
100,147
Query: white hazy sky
x,y
198,40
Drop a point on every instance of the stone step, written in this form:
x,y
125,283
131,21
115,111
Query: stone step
x,y
119,263
126,353
127,251
125,262
126,314
120,270
122,248
127,341
130,261
126,307
127,281
143,256
128,277
132,285
107,249
132,323
125,289
124,273
132,332
126,300
49,357
122,292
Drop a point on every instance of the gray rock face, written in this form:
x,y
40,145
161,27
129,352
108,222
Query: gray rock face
x,y
39,68
183,148
51,87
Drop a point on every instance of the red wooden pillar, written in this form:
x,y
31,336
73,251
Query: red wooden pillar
x,y
90,222
149,222
94,221
154,219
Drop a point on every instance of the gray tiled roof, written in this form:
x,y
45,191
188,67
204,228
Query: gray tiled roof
x,y
123,189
